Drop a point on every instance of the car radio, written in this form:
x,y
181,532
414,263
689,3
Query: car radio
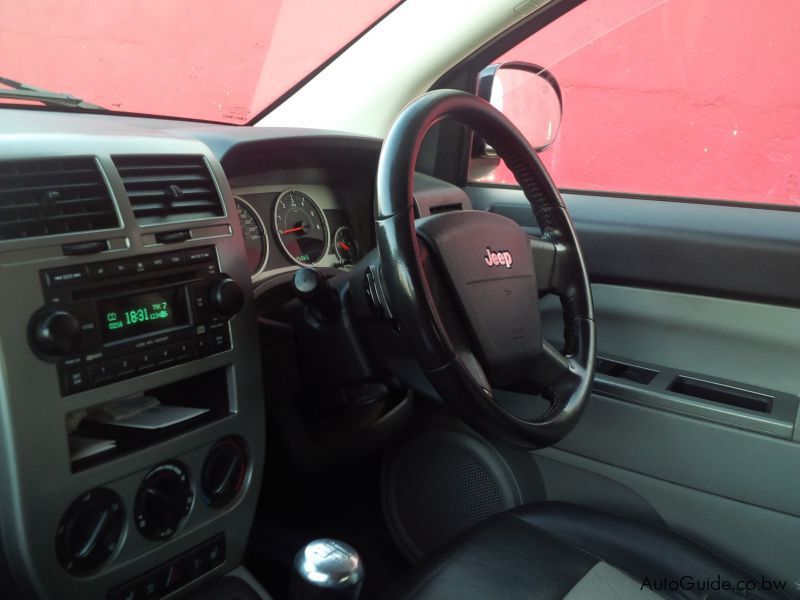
x,y
112,320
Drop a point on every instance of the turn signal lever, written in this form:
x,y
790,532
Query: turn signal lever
x,y
327,569
313,289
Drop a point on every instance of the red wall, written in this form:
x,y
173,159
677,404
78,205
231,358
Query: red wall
x,y
208,60
697,98
677,97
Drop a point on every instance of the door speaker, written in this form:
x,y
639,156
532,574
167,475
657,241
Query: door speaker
x,y
441,483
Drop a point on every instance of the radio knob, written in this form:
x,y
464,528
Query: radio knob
x,y
55,332
226,296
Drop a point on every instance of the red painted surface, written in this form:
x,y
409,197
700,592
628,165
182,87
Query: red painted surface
x,y
695,98
206,60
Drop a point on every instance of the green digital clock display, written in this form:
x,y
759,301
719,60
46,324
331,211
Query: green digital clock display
x,y
142,313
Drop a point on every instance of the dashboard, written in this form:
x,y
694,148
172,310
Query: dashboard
x,y
132,405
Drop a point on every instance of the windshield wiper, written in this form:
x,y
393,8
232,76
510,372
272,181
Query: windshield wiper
x,y
22,91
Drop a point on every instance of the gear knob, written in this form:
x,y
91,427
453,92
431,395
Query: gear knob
x,y
327,569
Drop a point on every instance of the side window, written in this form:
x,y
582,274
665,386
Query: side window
x,y
681,98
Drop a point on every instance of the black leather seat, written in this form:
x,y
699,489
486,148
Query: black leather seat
x,y
555,550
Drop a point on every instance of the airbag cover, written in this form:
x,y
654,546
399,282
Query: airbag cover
x,y
488,263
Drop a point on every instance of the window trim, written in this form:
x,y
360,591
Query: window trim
x,y
650,197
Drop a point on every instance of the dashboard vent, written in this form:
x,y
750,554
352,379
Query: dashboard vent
x,y
53,196
165,189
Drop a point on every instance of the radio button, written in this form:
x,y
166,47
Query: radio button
x,y
165,355
199,295
201,346
157,262
75,380
68,276
174,259
124,365
120,267
199,255
138,265
101,373
98,271
184,350
146,361
220,340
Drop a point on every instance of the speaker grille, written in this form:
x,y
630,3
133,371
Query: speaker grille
x,y
441,486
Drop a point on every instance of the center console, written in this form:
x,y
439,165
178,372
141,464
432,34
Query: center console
x,y
131,403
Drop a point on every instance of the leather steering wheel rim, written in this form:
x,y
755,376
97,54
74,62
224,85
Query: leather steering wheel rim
x,y
564,377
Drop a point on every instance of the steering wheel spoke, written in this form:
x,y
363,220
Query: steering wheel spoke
x,y
545,253
550,367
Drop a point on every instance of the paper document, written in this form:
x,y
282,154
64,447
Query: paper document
x,y
82,447
153,417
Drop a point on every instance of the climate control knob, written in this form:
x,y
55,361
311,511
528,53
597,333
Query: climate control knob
x,y
89,531
163,501
55,332
226,296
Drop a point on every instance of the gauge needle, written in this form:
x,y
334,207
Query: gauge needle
x,y
344,246
292,230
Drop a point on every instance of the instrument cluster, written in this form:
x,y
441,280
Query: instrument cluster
x,y
295,227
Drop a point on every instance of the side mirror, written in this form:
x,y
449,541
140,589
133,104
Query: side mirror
x,y
528,95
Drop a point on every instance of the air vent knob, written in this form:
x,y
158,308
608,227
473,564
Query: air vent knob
x,y
227,296
224,471
55,332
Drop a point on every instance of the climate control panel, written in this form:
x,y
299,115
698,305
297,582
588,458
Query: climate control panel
x,y
91,531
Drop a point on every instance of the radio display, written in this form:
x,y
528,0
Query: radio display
x,y
150,312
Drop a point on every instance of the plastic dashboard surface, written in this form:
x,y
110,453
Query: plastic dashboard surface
x,y
38,481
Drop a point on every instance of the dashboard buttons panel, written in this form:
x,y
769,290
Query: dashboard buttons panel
x,y
175,574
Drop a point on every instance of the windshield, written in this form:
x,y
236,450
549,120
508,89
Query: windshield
x,y
182,58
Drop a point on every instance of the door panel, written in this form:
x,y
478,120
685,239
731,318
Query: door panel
x,y
730,251
687,288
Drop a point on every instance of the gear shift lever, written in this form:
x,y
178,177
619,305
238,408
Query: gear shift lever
x,y
327,569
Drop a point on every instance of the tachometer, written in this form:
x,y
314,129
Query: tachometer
x,y
301,228
255,242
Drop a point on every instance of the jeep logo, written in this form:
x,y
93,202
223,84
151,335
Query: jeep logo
x,y
501,257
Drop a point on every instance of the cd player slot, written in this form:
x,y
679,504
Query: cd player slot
x,y
138,286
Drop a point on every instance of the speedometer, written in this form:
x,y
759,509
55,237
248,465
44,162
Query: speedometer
x,y
301,228
255,242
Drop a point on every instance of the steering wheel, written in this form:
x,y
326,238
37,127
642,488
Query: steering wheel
x,y
463,285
